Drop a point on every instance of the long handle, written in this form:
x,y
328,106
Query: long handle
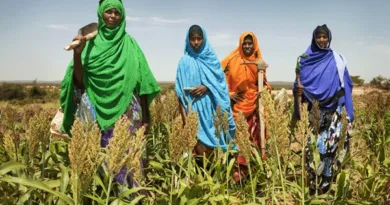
x,y
76,43
72,45
298,95
260,77
261,111
298,79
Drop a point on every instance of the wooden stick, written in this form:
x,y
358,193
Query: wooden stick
x,y
261,65
260,74
298,95
89,31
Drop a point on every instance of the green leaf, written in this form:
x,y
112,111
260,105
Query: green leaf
x,y
99,200
52,183
181,190
137,199
217,198
233,199
183,200
230,166
204,183
350,202
135,190
212,202
64,178
216,186
340,185
317,201
37,194
10,166
38,185
24,197
156,165
193,202
382,155
100,182
115,202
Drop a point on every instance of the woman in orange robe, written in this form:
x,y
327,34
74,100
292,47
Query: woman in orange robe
x,y
243,87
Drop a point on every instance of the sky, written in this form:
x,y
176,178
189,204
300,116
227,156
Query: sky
x,y
34,33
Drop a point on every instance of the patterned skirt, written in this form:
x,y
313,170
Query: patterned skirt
x,y
87,114
328,142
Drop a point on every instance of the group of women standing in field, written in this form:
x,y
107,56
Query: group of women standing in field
x,y
109,77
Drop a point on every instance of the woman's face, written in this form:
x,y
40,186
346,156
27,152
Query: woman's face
x,y
322,40
196,42
111,18
247,46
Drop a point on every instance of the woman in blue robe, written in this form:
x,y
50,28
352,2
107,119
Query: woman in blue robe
x,y
200,70
324,78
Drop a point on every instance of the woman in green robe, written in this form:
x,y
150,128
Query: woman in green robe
x,y
107,78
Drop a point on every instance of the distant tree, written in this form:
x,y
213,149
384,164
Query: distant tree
x,y
380,82
386,84
35,91
12,92
357,80
377,81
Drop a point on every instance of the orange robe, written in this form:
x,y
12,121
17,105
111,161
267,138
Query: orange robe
x,y
243,78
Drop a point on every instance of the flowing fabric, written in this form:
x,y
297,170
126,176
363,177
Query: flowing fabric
x,y
325,78
203,68
243,78
113,68
86,112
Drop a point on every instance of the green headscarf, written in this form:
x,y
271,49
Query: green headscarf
x,y
114,67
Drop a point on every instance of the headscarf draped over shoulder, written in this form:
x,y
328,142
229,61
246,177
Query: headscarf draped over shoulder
x,y
204,68
211,71
114,67
324,76
243,77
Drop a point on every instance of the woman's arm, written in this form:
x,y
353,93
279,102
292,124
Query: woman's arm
x,y
182,112
78,67
145,112
78,71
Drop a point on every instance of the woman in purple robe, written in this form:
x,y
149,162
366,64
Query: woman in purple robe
x,y
324,78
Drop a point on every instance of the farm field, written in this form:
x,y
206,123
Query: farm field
x,y
39,168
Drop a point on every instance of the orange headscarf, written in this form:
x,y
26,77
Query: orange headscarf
x,y
243,78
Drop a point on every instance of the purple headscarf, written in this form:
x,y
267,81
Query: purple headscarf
x,y
325,77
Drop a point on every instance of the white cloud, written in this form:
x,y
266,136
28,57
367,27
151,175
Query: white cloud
x,y
142,28
360,43
129,18
385,49
380,38
169,21
66,27
222,40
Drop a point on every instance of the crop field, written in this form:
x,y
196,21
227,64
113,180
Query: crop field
x,y
39,168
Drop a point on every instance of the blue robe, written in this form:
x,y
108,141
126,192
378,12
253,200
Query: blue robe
x,y
204,68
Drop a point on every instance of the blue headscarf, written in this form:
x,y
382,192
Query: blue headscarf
x,y
204,68
325,77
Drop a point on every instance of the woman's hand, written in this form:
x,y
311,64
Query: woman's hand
x,y
236,97
79,49
299,90
146,125
199,91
